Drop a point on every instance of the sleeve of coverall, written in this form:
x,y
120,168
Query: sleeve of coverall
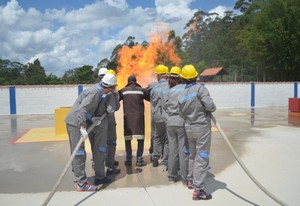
x,y
120,95
147,91
88,104
146,95
117,100
180,109
113,103
165,98
206,100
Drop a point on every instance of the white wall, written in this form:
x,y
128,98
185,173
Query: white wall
x,y
230,95
4,100
45,99
38,99
273,94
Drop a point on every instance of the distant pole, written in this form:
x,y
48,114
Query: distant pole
x,y
80,89
295,89
252,95
12,100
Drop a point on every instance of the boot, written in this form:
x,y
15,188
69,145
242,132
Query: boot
x,y
140,162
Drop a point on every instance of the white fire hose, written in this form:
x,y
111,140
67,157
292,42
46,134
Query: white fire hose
x,y
243,165
98,122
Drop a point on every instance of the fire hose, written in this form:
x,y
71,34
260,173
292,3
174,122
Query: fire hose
x,y
243,165
97,122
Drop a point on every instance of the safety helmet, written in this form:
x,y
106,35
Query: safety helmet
x,y
175,71
102,71
161,69
109,80
189,72
111,71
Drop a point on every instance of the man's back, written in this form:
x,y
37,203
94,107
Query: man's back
x,y
133,98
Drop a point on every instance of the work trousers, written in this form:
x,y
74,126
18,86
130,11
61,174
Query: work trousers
x,y
98,139
151,137
199,145
111,143
78,163
140,150
178,152
160,142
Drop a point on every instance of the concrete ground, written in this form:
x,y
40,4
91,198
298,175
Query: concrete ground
x,y
266,140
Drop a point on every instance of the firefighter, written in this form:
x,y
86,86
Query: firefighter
x,y
111,163
156,92
101,73
133,96
84,108
109,101
195,106
178,144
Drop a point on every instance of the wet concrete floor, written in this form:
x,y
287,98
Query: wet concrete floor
x,y
266,139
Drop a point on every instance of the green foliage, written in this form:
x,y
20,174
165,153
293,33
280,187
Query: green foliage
x,y
80,75
211,42
261,44
10,73
84,75
53,79
69,77
102,63
272,38
34,73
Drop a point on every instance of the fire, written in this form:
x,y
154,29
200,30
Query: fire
x,y
141,61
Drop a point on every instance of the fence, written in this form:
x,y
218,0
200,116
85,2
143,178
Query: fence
x,y
44,99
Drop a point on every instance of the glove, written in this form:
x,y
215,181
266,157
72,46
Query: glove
x,y
96,119
117,95
84,133
110,110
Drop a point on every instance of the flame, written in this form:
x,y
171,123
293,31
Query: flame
x,y
141,61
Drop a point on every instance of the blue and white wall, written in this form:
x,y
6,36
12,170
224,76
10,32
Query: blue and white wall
x,y
44,99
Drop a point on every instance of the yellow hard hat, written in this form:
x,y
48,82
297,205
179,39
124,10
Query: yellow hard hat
x,y
175,71
111,71
161,69
189,72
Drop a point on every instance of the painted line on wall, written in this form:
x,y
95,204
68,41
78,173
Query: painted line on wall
x,y
12,100
252,95
80,89
295,89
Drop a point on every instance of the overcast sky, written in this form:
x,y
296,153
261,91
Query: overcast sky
x,y
64,34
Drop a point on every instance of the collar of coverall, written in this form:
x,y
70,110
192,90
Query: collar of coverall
x,y
190,84
162,80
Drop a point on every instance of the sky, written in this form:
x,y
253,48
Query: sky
x,y
65,34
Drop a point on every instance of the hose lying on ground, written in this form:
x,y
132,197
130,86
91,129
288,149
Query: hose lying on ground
x,y
243,165
70,160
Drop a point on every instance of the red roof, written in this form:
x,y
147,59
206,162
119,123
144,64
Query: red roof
x,y
214,71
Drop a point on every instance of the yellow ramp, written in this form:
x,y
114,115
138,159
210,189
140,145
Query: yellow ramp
x,y
41,135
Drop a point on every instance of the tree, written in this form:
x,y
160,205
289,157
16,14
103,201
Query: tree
x,y
102,63
80,75
272,37
11,73
210,41
53,79
34,73
84,75
69,77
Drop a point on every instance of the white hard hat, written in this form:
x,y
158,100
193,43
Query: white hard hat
x,y
102,71
109,80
